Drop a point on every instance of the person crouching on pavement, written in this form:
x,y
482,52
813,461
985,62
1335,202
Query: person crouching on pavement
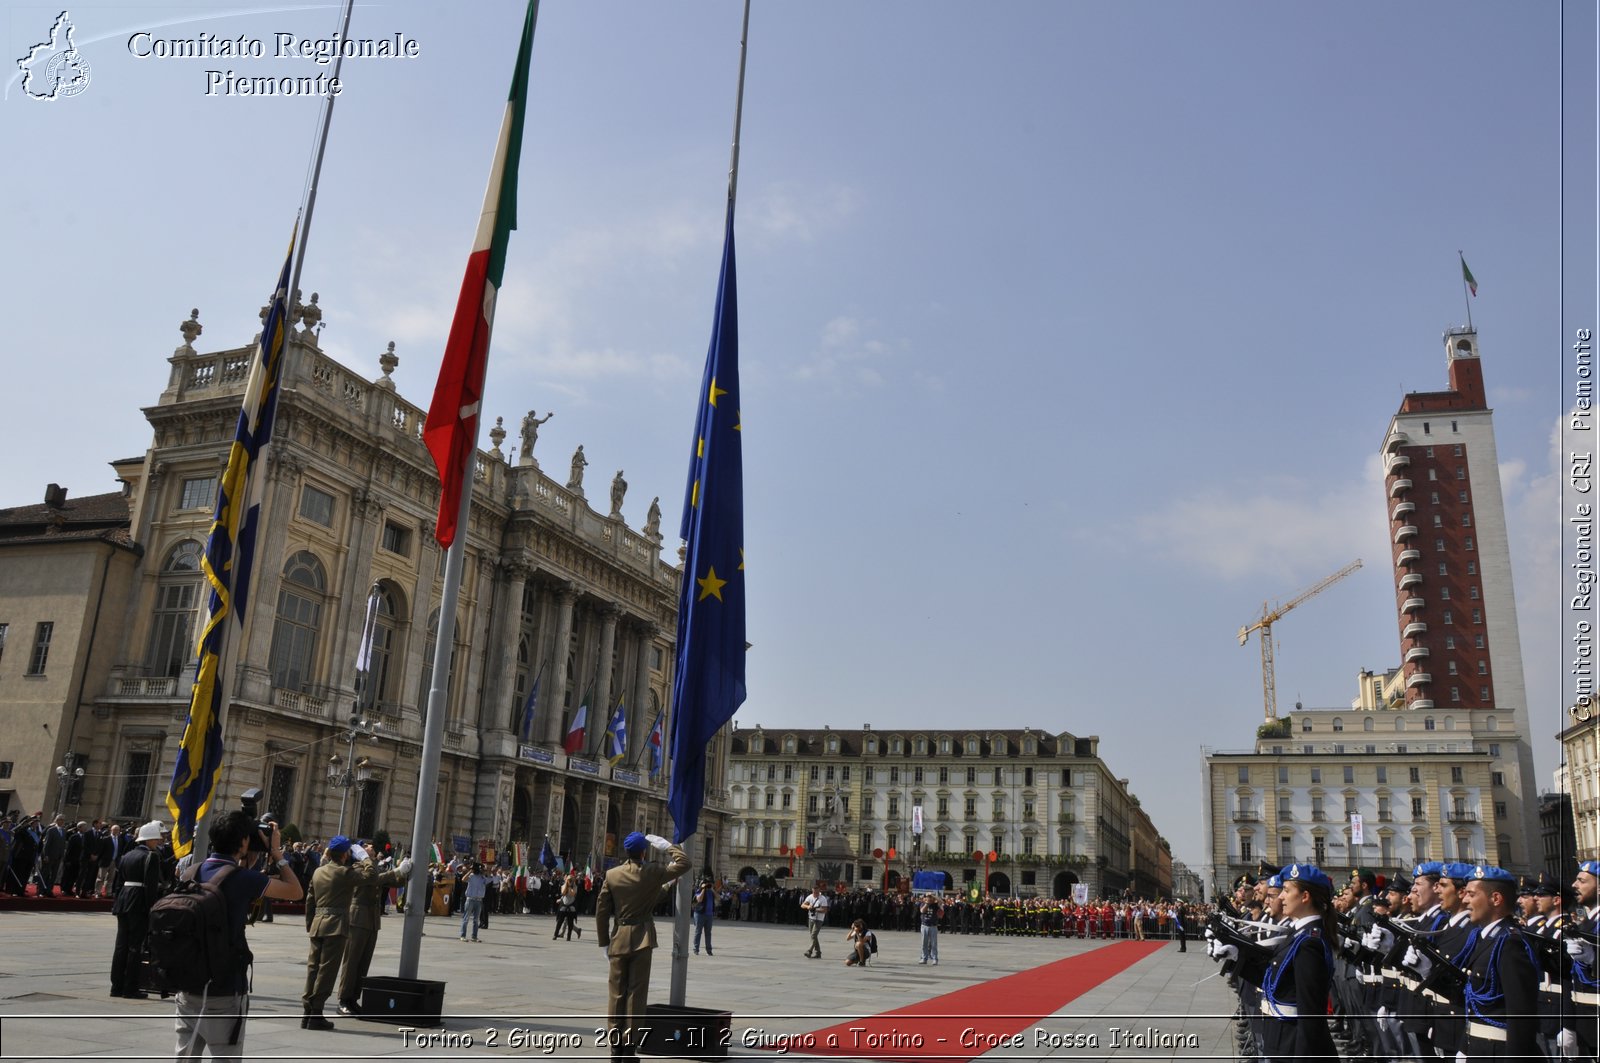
x,y
366,914
343,866
860,947
630,893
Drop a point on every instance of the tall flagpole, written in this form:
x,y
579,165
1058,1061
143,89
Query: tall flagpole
x,y
685,888
1466,296
242,621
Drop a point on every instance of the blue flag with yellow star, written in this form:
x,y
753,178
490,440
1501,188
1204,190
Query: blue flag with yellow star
x,y
708,680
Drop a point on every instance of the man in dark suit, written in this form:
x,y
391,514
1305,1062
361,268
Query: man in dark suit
x,y
343,867
629,894
54,849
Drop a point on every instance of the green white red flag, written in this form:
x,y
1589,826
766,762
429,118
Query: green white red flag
x,y
451,430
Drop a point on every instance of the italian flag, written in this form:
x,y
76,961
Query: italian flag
x,y
573,743
1466,275
451,430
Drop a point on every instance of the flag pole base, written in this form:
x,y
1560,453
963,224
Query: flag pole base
x,y
402,1001
683,1032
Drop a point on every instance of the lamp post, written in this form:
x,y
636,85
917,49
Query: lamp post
x,y
347,771
69,779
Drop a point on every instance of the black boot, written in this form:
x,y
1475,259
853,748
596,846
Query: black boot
x,y
313,1020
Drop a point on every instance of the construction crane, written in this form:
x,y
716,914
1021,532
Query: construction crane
x,y
1270,614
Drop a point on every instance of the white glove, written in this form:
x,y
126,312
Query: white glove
x,y
1582,951
358,852
657,841
1209,935
1416,961
1223,953
1378,939
404,867
1461,1057
1567,1043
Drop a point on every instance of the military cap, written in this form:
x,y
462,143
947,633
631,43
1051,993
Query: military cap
x,y
1461,873
1361,874
1545,886
1307,875
1590,866
1266,870
1275,882
1428,869
1490,873
1399,884
1525,886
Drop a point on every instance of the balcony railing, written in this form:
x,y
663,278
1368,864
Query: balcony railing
x,y
1405,557
1246,815
1067,817
1398,486
1459,815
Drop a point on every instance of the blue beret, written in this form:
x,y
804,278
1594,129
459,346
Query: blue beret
x,y
1591,866
1490,873
338,845
1460,872
1308,875
1275,882
634,842
1428,869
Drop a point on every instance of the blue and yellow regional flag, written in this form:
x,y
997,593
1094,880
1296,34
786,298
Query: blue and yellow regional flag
x,y
708,682
230,550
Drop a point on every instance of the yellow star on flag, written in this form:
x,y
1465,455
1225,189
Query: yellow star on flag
x,y
715,391
711,586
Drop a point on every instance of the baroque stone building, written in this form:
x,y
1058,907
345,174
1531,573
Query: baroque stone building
x,y
1044,803
555,596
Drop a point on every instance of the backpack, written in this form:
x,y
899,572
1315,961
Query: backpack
x,y
872,943
191,942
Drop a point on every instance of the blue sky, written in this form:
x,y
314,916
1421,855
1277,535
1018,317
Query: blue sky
x,y
1070,331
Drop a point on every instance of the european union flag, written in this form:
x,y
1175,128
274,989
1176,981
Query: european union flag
x,y
230,550
529,706
708,682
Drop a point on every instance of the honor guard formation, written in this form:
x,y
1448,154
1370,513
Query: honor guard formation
x,y
1457,962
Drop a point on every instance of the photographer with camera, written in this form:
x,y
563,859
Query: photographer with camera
x,y
214,1015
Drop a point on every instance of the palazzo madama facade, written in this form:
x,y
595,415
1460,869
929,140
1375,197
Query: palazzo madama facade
x,y
553,590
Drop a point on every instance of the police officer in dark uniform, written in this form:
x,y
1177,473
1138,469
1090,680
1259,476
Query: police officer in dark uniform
x,y
138,882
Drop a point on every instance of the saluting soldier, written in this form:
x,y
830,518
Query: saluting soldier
x,y
366,915
343,866
629,894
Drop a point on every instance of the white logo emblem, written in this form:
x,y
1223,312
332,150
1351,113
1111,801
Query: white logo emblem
x,y
54,68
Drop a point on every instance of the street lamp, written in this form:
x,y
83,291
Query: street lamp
x,y
69,778
347,771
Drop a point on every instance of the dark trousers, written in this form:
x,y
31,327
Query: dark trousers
x,y
132,928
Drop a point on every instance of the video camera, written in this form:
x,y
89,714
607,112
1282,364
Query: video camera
x,y
250,804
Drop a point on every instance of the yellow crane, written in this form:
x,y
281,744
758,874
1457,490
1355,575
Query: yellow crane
x,y
1270,614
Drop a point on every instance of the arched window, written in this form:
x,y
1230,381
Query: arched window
x,y
1491,724
1338,723
172,633
294,633
381,672
1366,723
427,664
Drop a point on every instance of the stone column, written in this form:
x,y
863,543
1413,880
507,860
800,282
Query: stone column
x,y
478,626
602,686
349,617
499,714
254,682
642,718
551,709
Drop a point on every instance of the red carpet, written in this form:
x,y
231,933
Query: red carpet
x,y
965,1024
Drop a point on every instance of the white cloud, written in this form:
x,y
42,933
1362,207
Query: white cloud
x,y
845,357
1289,531
786,212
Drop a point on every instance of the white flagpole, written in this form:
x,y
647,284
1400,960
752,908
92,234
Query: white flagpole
x,y
685,888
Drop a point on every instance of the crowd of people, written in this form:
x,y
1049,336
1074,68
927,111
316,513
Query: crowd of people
x,y
59,857
1456,961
